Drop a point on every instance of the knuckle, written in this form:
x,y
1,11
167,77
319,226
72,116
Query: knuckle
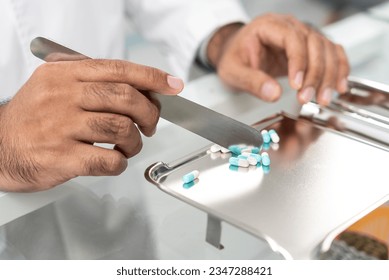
x,y
316,39
124,127
118,67
113,126
153,114
110,165
126,94
137,148
98,92
155,76
290,18
45,68
120,126
342,57
117,164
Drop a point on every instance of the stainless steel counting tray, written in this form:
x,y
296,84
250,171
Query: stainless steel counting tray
x,y
320,182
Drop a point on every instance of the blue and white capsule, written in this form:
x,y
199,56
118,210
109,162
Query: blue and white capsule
x,y
251,149
235,149
190,177
265,136
239,162
265,159
251,160
257,157
274,136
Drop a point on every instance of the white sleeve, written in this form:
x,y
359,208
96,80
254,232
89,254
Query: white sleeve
x,y
179,26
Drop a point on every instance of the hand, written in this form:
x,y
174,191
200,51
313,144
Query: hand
x,y
48,129
248,57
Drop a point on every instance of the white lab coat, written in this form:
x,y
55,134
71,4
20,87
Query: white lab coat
x,y
81,226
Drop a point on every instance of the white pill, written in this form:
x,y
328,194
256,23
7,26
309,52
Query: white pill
x,y
215,148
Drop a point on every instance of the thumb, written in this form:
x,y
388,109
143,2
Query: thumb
x,y
253,81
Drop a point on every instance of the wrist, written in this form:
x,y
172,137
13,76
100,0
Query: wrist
x,y
219,41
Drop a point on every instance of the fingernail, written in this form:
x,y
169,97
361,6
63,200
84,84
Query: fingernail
x,y
174,82
327,96
269,91
298,80
307,94
343,85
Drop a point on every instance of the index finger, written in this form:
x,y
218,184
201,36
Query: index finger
x,y
119,71
291,38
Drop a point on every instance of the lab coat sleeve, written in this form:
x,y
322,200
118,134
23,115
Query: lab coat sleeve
x,y
179,26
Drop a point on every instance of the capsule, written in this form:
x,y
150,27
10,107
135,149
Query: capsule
x,y
239,162
215,148
265,159
274,136
225,150
257,157
252,150
266,146
190,177
235,149
238,169
265,136
189,185
251,160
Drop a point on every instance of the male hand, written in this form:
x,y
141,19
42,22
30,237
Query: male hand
x,y
249,57
48,129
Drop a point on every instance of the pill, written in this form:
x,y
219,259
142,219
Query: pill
x,y
251,160
215,148
256,156
265,136
274,136
235,149
253,150
225,150
214,156
265,159
265,146
239,169
239,162
190,176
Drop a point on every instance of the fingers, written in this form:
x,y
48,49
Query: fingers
x,y
282,32
343,69
328,82
90,160
313,74
253,81
119,71
327,70
110,128
120,99
316,66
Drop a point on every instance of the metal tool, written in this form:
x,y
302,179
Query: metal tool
x,y
198,119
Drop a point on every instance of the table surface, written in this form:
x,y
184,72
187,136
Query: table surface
x,y
127,217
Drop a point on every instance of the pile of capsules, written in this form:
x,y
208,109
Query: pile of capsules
x,y
245,156
242,156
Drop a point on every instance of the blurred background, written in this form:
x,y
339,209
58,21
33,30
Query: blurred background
x,y
317,12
